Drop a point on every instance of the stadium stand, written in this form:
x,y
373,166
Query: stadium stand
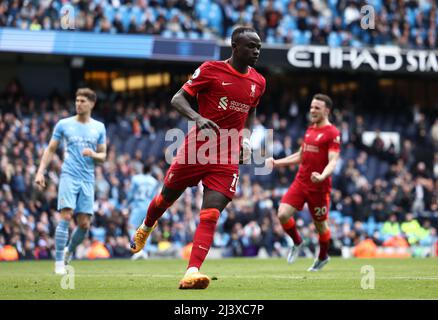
x,y
404,23
381,195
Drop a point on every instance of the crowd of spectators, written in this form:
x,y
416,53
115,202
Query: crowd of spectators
x,y
400,200
405,23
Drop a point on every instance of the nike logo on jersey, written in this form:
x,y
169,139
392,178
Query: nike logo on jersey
x,y
226,83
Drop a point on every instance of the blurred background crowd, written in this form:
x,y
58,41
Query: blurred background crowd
x,y
385,192
405,23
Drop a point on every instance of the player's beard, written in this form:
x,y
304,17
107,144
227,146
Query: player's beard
x,y
316,120
81,111
252,62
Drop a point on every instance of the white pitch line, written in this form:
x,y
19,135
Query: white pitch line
x,y
309,277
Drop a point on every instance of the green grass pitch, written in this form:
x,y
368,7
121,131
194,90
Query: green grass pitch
x,y
235,279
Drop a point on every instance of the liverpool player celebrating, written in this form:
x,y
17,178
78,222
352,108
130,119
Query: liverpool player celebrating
x,y
227,93
317,158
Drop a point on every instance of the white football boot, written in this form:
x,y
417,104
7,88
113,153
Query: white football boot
x,y
294,251
318,264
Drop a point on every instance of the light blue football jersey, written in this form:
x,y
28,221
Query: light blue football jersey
x,y
77,136
143,188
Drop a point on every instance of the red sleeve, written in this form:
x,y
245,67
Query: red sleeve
x,y
200,80
256,103
335,141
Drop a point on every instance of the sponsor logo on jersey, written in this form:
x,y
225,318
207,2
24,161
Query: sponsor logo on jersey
x,y
311,148
223,103
238,106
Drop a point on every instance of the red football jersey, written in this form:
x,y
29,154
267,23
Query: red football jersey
x,y
224,96
316,146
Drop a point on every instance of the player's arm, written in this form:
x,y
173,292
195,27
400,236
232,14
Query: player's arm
x,y
328,170
181,102
294,158
99,155
131,192
45,160
245,156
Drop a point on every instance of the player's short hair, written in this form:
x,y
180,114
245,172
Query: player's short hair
x,y
146,168
87,93
241,30
323,97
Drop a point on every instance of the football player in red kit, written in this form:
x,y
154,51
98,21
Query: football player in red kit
x,y
227,93
312,185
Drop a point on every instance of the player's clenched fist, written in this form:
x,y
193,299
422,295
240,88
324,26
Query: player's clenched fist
x,y
204,123
40,181
316,177
246,151
270,163
87,152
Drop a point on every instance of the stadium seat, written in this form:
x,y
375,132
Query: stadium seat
x,y
131,145
125,16
334,39
167,34
215,18
137,13
109,13
348,220
98,233
372,168
336,216
301,37
193,35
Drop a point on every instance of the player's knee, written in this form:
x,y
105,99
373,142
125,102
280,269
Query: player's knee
x,y
84,225
163,202
84,222
209,215
284,215
321,226
66,214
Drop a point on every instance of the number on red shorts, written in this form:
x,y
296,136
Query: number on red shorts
x,y
320,211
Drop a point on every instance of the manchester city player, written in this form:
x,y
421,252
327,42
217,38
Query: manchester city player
x,y
143,188
84,141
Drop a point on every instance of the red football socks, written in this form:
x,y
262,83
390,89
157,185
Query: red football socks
x,y
290,228
324,241
156,209
203,237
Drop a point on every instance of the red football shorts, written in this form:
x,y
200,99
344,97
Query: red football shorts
x,y
318,201
217,177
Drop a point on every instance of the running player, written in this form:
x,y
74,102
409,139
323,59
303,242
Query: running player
x,y
143,188
227,93
312,185
84,142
